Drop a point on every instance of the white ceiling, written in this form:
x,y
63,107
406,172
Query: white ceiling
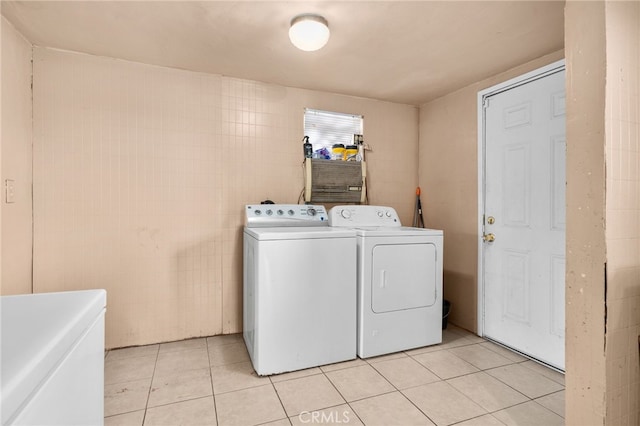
x,y
401,51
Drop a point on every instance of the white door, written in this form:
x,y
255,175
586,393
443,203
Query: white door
x,y
524,214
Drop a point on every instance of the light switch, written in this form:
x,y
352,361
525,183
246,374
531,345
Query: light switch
x,y
10,190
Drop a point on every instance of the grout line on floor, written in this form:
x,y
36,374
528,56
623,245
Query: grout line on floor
x,y
355,413
372,365
547,394
374,396
153,374
213,393
334,386
418,408
476,417
124,412
279,399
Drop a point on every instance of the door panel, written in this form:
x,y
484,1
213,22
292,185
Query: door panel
x,y
524,194
557,295
516,165
558,182
403,277
515,275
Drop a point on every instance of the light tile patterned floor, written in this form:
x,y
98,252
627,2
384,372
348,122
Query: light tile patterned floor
x,y
465,380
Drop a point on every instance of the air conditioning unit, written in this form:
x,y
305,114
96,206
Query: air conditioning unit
x,y
335,181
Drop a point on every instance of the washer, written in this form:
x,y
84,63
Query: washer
x,y
399,277
299,288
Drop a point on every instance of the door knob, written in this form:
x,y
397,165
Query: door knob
x,y
491,220
488,238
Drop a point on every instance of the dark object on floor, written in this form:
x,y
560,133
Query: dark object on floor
x,y
446,308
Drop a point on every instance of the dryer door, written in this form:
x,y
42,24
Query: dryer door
x,y
403,277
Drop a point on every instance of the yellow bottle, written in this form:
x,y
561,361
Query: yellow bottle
x,y
350,153
337,152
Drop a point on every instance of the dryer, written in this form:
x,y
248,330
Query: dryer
x,y
399,280
299,288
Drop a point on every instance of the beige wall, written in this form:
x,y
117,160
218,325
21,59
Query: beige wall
x,y
603,212
448,176
622,124
16,161
141,174
585,270
3,23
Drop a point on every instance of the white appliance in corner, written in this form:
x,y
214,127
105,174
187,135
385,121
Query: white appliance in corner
x,y
299,288
399,280
52,358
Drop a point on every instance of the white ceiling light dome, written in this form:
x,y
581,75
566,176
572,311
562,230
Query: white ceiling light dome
x,y
309,32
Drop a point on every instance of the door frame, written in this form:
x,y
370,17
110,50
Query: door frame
x,y
536,74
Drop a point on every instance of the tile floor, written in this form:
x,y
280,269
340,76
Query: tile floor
x,y
464,381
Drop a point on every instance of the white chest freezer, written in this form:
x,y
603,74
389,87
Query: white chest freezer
x,y
52,358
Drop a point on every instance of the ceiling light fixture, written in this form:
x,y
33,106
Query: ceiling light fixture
x,y
309,32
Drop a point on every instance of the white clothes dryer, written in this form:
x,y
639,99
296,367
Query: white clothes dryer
x,y
399,275
299,289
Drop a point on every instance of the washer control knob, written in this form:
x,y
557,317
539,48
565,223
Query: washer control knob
x,y
380,214
291,212
388,214
345,214
258,212
269,212
280,212
311,211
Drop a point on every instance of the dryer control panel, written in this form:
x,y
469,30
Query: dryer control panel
x,y
278,215
360,216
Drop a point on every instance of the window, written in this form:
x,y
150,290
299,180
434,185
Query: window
x,y
326,128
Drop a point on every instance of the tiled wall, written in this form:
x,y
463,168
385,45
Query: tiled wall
x,y
16,161
622,118
141,174
449,182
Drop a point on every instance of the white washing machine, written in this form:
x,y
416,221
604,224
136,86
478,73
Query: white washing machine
x,y
399,280
299,288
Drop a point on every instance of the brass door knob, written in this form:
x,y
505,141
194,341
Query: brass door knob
x,y
491,220
488,238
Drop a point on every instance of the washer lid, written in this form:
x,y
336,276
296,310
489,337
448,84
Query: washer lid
x,y
38,330
301,233
403,231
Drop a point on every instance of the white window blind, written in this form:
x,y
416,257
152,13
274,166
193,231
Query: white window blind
x,y
326,128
